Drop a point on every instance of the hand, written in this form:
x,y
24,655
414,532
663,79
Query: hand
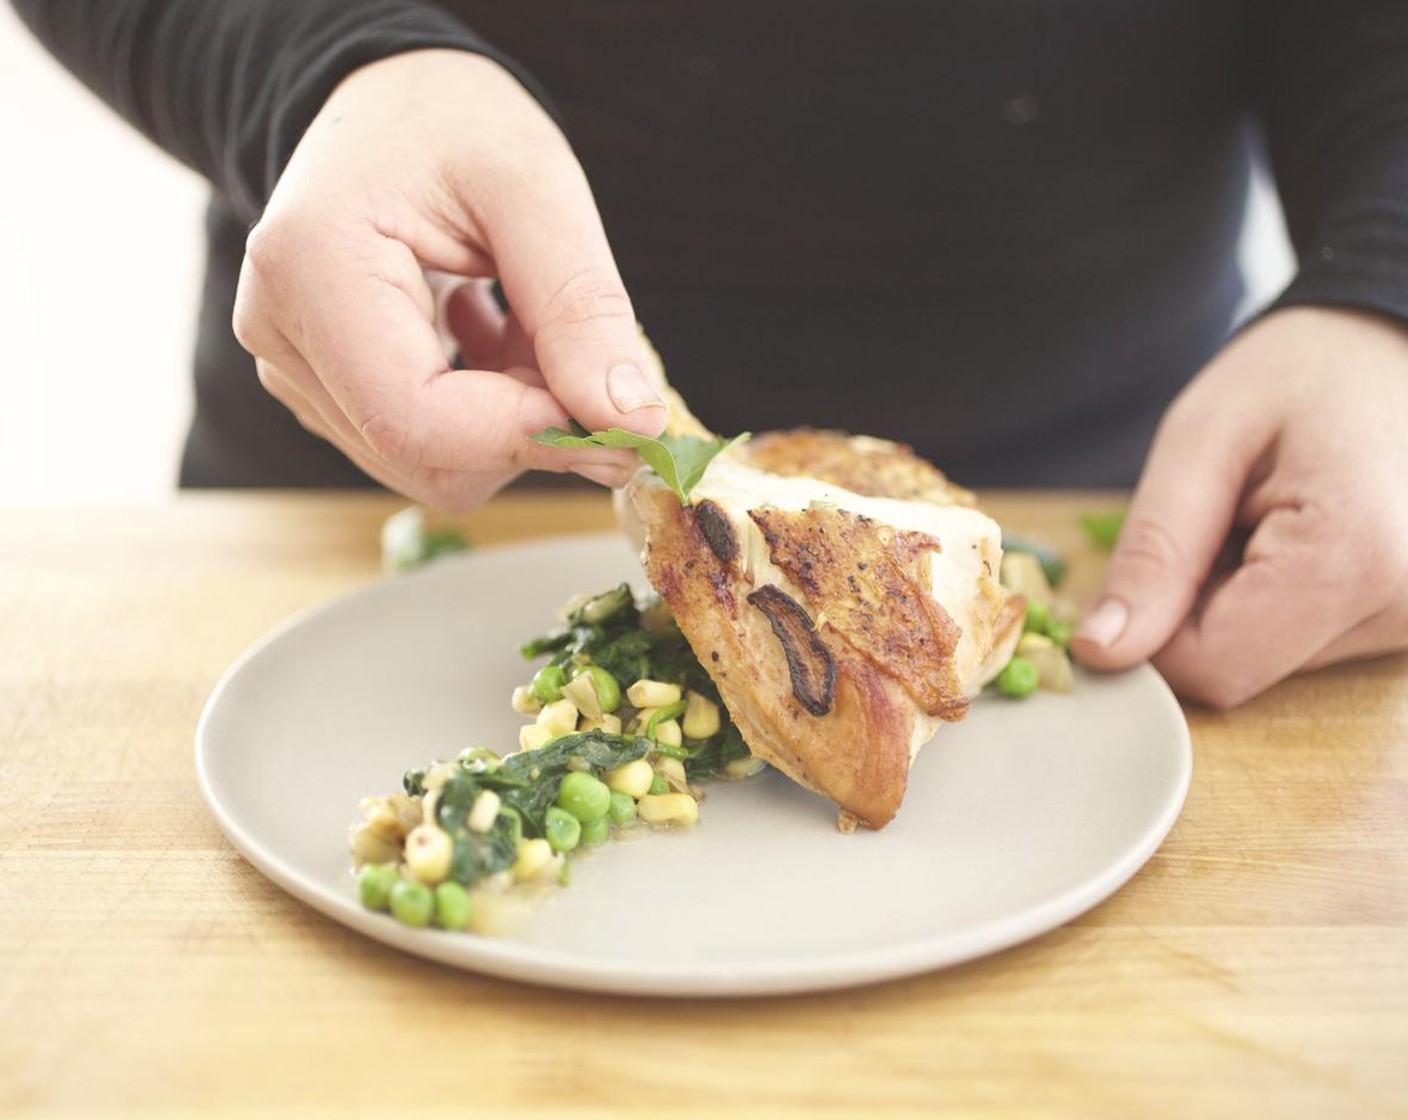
x,y
1269,532
441,160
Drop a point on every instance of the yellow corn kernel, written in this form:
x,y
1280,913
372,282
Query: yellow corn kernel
x,y
382,818
407,809
701,716
653,694
1022,574
668,808
370,847
438,775
533,735
535,862
1032,643
668,732
609,723
559,717
672,770
633,779
484,811
428,853
581,690
744,767
525,701
1053,667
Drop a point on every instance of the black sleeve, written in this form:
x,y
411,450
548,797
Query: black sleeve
x,y
1332,86
228,86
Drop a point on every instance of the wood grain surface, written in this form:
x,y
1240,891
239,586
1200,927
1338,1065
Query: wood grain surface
x,y
1257,967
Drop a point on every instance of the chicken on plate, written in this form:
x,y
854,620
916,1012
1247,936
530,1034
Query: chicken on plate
x,y
843,595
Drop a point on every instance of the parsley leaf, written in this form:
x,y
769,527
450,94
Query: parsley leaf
x,y
679,460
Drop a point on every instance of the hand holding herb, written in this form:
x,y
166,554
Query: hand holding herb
x,y
417,162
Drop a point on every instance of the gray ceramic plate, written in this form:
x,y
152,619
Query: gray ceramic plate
x,y
1016,820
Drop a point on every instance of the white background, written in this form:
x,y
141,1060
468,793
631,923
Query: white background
x,y
100,261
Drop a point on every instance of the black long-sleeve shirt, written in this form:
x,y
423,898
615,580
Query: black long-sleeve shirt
x,y
1003,231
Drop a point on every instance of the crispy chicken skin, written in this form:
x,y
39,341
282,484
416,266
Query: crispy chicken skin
x,y
838,639
853,744
864,578
876,468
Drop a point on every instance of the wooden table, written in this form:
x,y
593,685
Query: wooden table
x,y
1258,966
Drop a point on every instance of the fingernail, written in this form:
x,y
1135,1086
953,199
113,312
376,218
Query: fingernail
x,y
1104,623
630,390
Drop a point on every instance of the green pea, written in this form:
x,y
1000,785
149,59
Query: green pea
x,y
623,808
659,785
547,683
451,905
597,832
374,883
1018,678
608,688
586,797
412,903
562,830
1060,632
1038,618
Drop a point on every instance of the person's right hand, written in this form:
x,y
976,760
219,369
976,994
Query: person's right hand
x,y
442,160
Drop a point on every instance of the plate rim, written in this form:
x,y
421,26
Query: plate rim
x,y
511,960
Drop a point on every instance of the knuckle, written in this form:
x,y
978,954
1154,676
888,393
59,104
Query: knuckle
x,y
590,297
1147,544
265,258
309,422
266,249
271,379
391,438
245,330
248,320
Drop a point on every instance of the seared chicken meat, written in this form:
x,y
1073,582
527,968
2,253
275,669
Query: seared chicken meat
x,y
842,594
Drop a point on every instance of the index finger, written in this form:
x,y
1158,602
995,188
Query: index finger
x,y
562,281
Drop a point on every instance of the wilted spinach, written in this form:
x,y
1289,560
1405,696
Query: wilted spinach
x,y
527,784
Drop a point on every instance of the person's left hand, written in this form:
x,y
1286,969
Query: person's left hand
x,y
1269,530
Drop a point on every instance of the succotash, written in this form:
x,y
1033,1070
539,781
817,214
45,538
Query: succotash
x,y
623,723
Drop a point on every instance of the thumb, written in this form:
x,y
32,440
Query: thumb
x,y
1178,519
558,273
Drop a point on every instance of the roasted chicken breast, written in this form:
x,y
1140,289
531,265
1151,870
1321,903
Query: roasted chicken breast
x,y
842,594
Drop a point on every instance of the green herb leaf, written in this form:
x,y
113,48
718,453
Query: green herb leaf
x,y
679,460
1103,529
